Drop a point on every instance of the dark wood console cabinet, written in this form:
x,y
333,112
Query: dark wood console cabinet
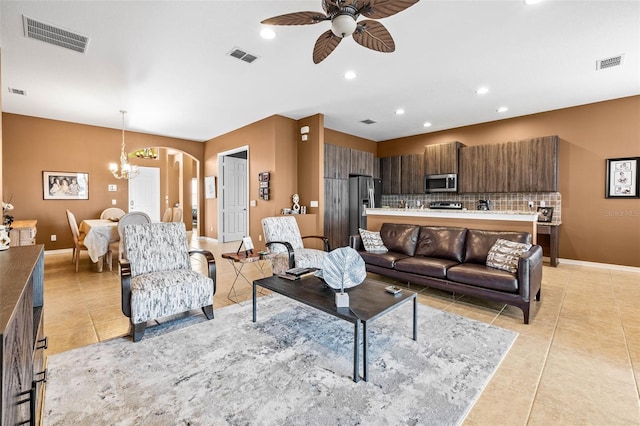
x,y
22,351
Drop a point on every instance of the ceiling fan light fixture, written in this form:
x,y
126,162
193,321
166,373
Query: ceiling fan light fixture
x,y
343,25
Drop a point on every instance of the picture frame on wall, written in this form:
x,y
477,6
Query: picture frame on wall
x,y
65,185
210,187
622,178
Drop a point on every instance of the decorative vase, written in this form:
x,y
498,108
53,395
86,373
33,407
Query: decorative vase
x,y
4,238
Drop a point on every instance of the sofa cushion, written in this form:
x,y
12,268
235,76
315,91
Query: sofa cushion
x,y
427,266
385,260
400,238
441,242
372,241
483,276
505,254
479,243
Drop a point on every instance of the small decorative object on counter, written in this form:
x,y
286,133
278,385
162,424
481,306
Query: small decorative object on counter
x,y
303,209
296,204
5,241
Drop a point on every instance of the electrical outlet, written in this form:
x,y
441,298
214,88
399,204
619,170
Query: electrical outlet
x,y
260,237
530,204
53,237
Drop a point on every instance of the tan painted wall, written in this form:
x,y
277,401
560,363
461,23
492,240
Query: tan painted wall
x,y
32,145
334,137
272,148
594,228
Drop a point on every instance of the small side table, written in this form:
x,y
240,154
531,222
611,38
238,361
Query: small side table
x,y
551,229
238,260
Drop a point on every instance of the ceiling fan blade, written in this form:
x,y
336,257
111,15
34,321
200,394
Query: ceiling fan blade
x,y
378,9
325,44
297,18
373,35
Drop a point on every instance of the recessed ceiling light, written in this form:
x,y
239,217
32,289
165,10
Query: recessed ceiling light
x,y
482,90
427,124
532,1
267,33
399,111
350,75
502,109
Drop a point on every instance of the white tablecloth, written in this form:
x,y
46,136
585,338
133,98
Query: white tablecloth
x,y
98,234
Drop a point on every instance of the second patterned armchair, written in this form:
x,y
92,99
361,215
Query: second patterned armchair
x,y
282,237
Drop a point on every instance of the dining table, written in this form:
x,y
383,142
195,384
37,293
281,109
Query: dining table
x,y
98,235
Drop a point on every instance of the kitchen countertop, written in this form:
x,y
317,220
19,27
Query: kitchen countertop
x,y
516,216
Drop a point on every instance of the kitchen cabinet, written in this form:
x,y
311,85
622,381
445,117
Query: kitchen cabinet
x,y
441,158
535,165
524,166
337,161
336,212
361,163
412,174
390,169
21,355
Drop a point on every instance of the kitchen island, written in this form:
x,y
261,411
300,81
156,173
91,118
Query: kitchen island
x,y
491,220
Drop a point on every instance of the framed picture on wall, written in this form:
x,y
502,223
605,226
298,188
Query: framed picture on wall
x,y
545,214
65,185
622,178
210,187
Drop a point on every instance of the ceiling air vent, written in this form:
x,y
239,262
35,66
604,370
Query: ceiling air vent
x,y
242,55
609,62
54,35
368,121
17,91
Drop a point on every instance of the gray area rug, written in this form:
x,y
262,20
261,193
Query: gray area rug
x,y
292,367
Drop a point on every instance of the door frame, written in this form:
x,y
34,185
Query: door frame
x,y
221,192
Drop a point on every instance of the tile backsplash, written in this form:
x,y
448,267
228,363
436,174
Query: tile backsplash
x,y
499,201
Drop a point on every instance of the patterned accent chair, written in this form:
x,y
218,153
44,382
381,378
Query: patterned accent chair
x,y
282,237
157,278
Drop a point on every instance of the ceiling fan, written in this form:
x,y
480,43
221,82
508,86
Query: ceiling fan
x,y
343,15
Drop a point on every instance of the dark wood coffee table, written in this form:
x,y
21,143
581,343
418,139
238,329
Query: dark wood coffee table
x,y
367,301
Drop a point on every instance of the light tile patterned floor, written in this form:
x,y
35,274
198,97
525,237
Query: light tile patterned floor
x,y
577,363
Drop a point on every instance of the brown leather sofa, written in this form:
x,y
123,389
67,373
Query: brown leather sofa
x,y
454,259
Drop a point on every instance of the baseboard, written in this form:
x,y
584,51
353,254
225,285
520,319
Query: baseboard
x,y
58,251
597,265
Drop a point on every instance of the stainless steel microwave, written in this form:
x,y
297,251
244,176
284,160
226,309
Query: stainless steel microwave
x,y
441,183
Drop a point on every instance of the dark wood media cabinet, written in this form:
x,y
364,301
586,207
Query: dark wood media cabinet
x,y
21,327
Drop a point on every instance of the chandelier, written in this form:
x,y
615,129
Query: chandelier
x,y
127,171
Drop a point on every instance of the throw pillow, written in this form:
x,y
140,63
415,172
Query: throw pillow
x,y
372,241
504,254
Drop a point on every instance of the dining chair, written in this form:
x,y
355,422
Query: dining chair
x,y
112,213
157,277
78,240
130,218
177,215
282,238
168,213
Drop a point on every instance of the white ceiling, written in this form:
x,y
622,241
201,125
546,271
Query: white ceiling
x,y
167,64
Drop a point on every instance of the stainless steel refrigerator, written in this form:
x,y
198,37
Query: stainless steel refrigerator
x,y
364,192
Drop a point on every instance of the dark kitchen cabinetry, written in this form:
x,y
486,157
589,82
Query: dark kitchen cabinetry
x,y
441,158
524,166
22,356
412,174
337,161
361,162
535,165
336,212
390,170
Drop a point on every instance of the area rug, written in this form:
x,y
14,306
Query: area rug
x,y
293,366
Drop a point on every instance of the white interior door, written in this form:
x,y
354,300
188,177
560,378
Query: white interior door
x,y
234,196
144,192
